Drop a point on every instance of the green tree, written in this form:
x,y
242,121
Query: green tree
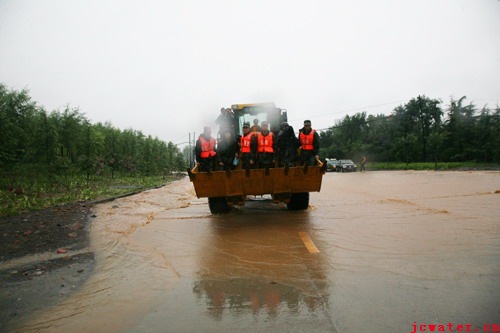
x,y
460,130
16,126
419,116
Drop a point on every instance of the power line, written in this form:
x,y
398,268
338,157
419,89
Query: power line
x,y
354,109
182,137
365,122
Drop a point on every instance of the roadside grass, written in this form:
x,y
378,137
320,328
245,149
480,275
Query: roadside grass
x,y
32,193
432,166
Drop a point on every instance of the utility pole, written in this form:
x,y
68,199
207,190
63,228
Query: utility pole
x,y
422,128
190,152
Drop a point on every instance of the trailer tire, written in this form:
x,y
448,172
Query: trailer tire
x,y
298,201
218,205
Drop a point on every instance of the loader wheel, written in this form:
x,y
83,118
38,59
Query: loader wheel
x,y
218,205
298,201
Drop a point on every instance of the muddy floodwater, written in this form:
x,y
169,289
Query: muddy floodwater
x,y
375,252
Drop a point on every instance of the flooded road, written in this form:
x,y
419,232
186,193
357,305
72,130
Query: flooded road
x,y
375,252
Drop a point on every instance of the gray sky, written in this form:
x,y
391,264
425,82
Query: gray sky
x,y
167,67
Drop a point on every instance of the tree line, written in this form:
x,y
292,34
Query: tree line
x,y
418,131
66,143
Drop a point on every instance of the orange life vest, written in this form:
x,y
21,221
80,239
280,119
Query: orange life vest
x,y
245,142
265,143
207,147
307,140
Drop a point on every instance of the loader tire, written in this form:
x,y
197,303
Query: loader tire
x,y
218,205
298,201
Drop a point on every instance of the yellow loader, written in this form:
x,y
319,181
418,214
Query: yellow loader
x,y
290,185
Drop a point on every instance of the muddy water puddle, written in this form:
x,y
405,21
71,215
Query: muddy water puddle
x,y
395,248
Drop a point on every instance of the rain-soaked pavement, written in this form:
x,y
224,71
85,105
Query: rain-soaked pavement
x,y
375,252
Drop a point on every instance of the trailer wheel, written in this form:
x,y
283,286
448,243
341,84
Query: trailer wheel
x,y
218,205
298,201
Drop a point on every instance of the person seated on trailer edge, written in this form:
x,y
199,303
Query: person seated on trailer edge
x,y
266,147
248,147
205,150
309,142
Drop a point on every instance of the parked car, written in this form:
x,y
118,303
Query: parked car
x,y
331,165
346,166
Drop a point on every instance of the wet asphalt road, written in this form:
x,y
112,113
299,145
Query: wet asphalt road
x,y
375,252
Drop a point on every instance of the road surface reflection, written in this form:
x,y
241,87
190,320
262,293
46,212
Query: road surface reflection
x,y
255,263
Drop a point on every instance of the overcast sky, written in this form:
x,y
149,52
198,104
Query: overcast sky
x,y
167,67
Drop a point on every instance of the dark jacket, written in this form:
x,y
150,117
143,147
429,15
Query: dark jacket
x,y
226,151
287,144
225,120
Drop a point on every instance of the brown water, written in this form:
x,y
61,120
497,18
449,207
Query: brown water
x,y
395,248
